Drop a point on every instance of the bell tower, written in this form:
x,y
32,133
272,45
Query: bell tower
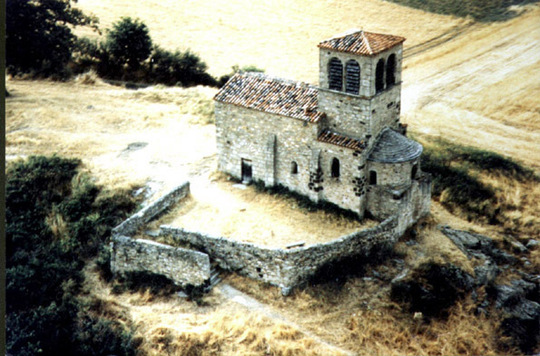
x,y
360,83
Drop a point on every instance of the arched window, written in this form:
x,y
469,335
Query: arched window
x,y
335,74
379,76
352,83
294,167
391,70
335,168
372,177
414,171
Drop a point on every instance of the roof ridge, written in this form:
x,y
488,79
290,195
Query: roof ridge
x,y
277,79
366,41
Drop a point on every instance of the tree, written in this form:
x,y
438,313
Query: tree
x,y
129,42
173,68
39,39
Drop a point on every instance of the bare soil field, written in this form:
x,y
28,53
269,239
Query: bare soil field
x,y
473,83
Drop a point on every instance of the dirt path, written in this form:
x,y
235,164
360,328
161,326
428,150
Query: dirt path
x,y
252,304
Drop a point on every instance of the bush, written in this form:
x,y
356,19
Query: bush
x,y
432,288
128,54
44,261
129,42
178,68
39,39
478,9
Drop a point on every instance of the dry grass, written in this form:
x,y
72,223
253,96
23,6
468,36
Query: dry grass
x,y
279,36
222,208
358,317
232,332
124,137
519,205
174,326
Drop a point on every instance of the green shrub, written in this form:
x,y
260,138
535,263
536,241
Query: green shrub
x,y
39,37
478,9
178,68
44,270
100,336
129,42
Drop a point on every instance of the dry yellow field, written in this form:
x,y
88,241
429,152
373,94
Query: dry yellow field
x,y
279,36
479,85
480,78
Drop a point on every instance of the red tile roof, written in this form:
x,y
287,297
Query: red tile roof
x,y
328,136
362,42
276,96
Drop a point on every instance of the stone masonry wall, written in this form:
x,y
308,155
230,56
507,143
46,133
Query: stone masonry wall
x,y
287,268
412,202
272,143
346,113
184,267
395,174
257,136
137,220
348,190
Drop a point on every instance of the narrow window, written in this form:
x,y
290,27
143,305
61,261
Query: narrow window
x,y
335,168
414,171
352,84
379,76
391,70
335,74
372,177
294,167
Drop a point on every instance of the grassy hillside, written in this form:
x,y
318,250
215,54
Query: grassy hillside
x,y
467,87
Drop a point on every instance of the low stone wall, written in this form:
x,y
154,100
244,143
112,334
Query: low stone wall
x,y
287,268
184,267
133,223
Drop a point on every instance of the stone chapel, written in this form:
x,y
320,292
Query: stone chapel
x,y
341,142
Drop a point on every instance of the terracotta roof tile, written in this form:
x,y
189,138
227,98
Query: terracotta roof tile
x,y
328,136
277,96
362,42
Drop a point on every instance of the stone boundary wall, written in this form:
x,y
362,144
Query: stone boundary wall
x,y
287,268
133,223
184,267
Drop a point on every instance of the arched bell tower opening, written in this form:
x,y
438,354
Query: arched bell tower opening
x,y
352,83
391,70
379,76
335,74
